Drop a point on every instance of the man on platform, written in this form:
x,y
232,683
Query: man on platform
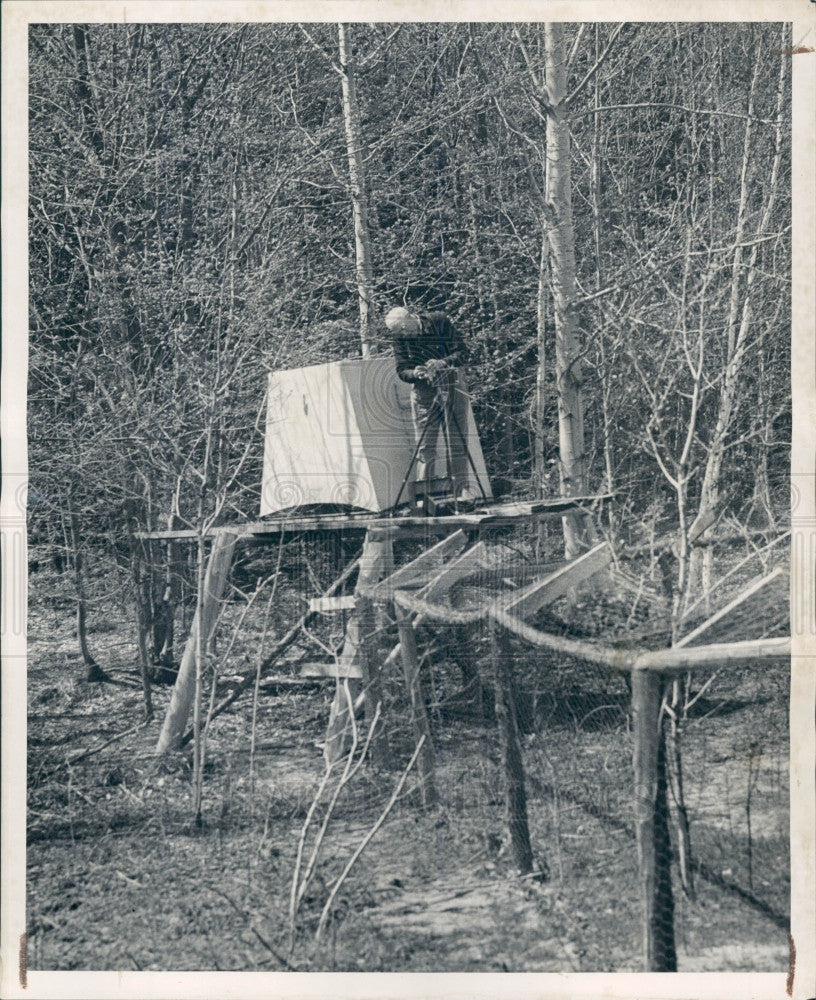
x,y
428,351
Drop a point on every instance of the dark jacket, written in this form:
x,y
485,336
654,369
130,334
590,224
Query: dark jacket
x,y
438,339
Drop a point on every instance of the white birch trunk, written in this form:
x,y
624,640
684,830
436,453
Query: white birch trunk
x,y
539,467
561,237
357,187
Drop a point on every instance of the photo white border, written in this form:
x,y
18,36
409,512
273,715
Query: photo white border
x,y
16,16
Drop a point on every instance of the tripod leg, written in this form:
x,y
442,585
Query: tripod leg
x,y
429,413
420,414
412,464
446,406
463,439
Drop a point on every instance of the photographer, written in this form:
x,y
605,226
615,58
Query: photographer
x,y
429,352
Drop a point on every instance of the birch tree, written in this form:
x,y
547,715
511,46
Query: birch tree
x,y
357,185
560,237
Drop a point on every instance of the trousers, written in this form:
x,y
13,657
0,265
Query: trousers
x,y
434,408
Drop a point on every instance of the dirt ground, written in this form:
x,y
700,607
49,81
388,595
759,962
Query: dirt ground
x,y
119,877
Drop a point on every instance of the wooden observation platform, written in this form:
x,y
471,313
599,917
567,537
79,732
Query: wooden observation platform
x,y
341,435
391,526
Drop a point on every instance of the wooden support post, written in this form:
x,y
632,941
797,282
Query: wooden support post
x,y
515,794
391,659
155,590
466,655
137,571
376,561
419,716
168,609
651,825
370,669
144,605
184,691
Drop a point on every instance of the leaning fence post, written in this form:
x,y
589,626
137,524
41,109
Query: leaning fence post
x,y
651,824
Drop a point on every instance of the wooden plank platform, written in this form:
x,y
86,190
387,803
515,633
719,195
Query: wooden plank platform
x,y
495,515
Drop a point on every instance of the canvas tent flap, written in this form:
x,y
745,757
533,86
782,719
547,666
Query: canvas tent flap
x,y
342,433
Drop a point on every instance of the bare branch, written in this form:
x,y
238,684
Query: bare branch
x,y
596,66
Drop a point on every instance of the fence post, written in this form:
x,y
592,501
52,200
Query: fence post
x,y
137,570
515,794
651,824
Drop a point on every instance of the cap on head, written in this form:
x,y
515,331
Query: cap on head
x,y
400,320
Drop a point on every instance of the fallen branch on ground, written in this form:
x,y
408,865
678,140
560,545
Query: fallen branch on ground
x,y
324,916
298,891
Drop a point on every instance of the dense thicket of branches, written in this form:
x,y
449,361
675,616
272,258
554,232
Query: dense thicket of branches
x,y
191,228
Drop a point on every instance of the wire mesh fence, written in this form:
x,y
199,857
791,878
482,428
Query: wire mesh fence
x,y
719,813
719,816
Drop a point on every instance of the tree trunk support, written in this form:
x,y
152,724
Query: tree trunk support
x,y
218,567
512,762
651,825
376,562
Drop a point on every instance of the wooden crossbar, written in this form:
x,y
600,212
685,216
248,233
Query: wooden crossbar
x,y
415,573
469,562
338,669
525,602
718,654
754,588
556,584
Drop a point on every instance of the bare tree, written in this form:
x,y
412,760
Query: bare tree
x,y
357,184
